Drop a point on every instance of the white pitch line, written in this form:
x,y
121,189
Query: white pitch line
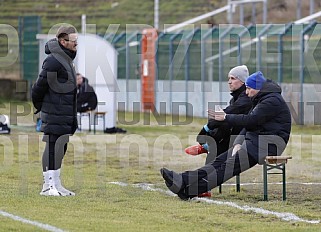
x,y
275,183
283,216
34,223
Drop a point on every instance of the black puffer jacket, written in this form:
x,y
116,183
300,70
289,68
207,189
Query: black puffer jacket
x,y
240,103
269,119
54,92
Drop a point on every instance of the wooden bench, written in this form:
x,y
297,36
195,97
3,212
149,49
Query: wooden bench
x,y
271,163
275,163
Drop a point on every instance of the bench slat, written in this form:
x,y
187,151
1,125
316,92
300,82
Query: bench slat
x,y
277,159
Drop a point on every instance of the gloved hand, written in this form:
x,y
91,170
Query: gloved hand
x,y
213,124
201,137
203,132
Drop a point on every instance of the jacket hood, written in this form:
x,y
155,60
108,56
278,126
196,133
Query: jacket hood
x,y
54,47
268,87
271,87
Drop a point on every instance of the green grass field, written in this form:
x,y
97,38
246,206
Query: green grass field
x,y
96,166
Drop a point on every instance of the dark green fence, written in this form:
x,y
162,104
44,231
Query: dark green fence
x,y
207,54
29,27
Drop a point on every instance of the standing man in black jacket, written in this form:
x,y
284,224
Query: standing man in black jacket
x,y
54,94
266,132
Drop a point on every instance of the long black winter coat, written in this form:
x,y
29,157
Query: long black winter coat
x,y
54,92
268,125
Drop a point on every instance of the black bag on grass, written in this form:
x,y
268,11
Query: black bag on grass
x,y
4,129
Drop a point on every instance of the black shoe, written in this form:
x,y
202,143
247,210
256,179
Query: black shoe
x,y
114,130
167,175
111,130
174,182
120,130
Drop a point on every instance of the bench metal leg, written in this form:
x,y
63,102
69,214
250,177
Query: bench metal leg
x,y
95,120
266,168
89,122
284,182
265,182
80,122
238,185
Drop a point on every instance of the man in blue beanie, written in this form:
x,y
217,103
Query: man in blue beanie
x,y
266,131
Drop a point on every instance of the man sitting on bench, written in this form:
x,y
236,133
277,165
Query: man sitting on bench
x,y
266,132
86,96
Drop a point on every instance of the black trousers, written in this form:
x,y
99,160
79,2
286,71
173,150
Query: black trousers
x,y
224,167
219,148
55,150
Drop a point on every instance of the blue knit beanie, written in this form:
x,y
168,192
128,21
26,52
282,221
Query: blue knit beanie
x,y
255,81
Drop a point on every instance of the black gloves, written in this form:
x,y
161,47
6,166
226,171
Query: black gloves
x,y
201,137
203,132
213,124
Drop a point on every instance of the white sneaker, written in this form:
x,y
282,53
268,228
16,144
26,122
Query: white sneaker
x,y
59,186
48,187
50,191
65,192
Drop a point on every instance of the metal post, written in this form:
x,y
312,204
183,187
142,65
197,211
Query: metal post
x,y
284,182
171,68
221,61
241,14
280,53
203,66
21,40
298,9
265,193
301,113
302,48
229,11
253,13
186,73
264,12
128,39
160,35
259,46
311,7
187,43
238,183
156,14
239,44
83,24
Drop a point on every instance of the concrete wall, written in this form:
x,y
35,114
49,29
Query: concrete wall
x,y
194,98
